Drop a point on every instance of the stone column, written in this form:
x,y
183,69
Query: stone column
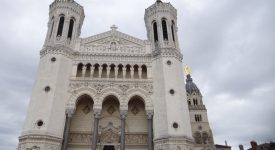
x,y
116,71
139,73
69,114
100,71
150,115
123,115
108,71
124,72
92,71
132,72
96,121
84,70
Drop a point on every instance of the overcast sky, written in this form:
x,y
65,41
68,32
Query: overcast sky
x,y
229,45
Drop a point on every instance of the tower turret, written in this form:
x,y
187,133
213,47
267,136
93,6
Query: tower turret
x,y
201,130
44,124
171,119
161,25
65,23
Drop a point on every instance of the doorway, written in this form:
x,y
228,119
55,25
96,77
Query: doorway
x,y
109,147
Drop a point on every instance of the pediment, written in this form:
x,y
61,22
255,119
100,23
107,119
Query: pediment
x,y
114,42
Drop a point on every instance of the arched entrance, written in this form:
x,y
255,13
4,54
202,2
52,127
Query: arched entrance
x,y
136,124
109,124
82,124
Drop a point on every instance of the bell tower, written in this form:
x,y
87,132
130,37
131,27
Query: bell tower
x,y
172,129
201,130
65,22
44,124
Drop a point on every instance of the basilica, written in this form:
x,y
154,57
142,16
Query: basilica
x,y
113,91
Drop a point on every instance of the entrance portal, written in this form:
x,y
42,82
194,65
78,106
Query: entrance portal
x,y
109,147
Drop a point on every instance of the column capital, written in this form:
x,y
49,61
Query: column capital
x,y
150,114
97,113
69,112
123,114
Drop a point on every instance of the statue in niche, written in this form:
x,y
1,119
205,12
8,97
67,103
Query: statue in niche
x,y
113,46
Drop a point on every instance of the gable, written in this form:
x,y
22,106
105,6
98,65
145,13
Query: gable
x,y
114,42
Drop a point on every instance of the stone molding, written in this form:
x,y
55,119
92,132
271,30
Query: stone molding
x,y
41,141
167,52
56,50
123,91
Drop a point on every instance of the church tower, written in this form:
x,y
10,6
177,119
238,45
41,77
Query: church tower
x,y
172,129
201,130
44,124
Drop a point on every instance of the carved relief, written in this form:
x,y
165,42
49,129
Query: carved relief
x,y
109,137
86,109
84,138
111,110
135,110
113,44
139,139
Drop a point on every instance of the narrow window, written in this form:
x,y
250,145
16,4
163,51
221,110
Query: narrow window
x,y
164,28
60,26
51,30
155,31
71,27
173,32
144,72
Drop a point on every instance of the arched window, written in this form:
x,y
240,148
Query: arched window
x,y
128,71
96,71
144,72
71,27
155,27
173,30
136,72
60,26
120,71
164,28
88,70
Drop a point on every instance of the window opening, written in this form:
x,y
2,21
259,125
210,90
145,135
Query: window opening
x,y
71,27
164,28
155,31
60,26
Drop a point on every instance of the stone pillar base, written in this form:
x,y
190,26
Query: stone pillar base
x,y
39,142
173,143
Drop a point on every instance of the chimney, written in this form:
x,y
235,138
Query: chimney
x,y
241,147
253,145
225,143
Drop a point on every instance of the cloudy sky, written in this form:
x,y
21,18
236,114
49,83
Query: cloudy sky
x,y
229,45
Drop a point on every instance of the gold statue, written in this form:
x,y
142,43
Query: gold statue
x,y
187,70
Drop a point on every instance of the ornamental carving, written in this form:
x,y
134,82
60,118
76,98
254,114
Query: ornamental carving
x,y
109,137
80,138
138,139
86,109
113,42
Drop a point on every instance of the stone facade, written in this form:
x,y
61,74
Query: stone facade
x,y
111,90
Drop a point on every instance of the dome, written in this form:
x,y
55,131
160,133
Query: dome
x,y
191,87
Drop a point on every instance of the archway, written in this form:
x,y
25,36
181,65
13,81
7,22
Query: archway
x,y
109,124
136,122
82,123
